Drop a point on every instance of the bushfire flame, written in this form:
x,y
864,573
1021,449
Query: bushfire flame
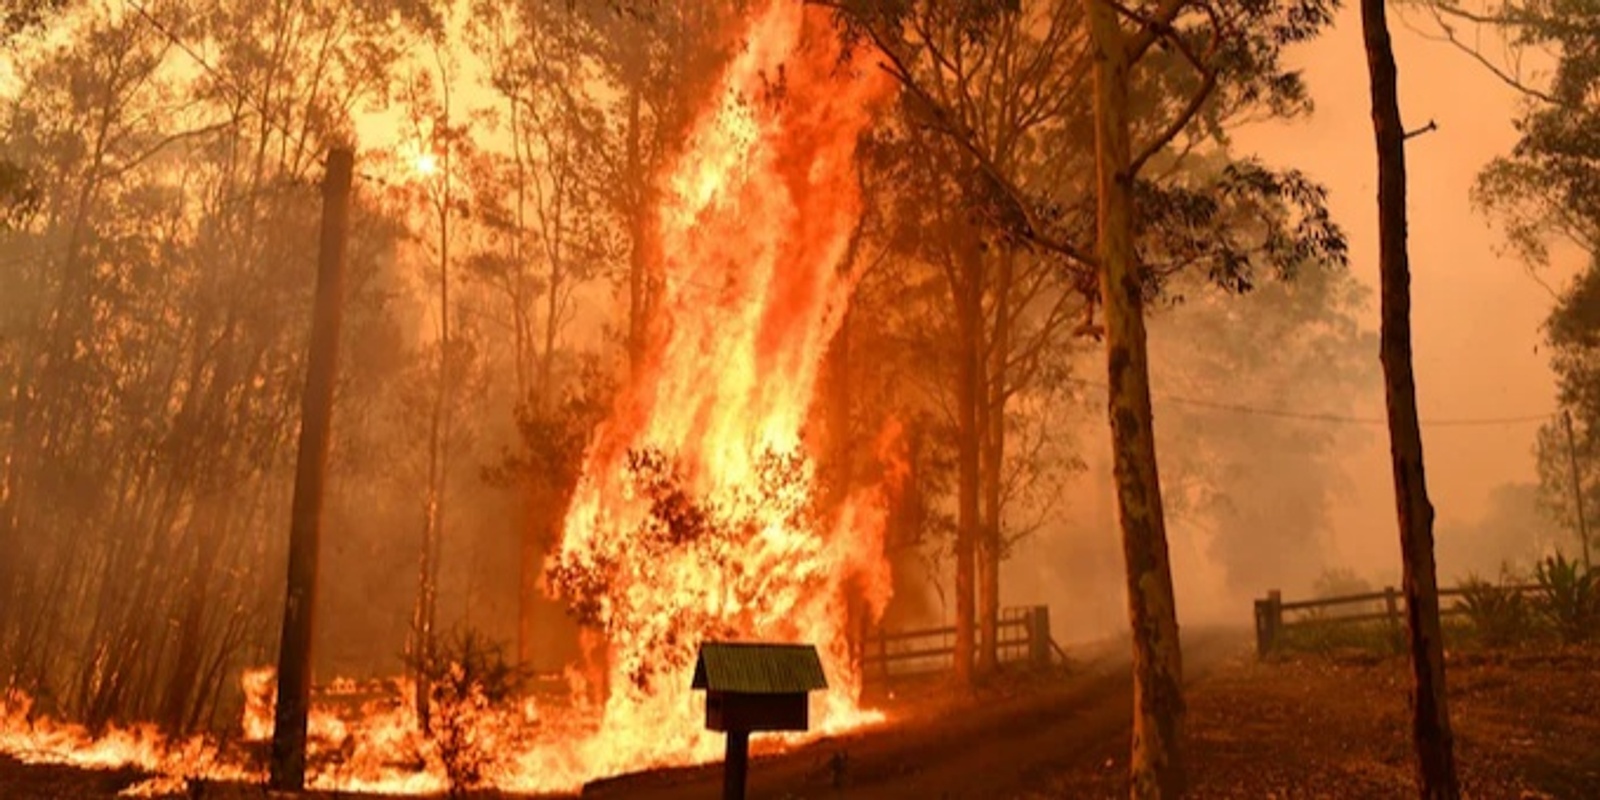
x,y
696,516
39,740
698,512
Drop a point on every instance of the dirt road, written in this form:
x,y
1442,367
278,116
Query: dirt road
x,y
1002,749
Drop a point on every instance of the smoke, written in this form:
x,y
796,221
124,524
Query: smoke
x,y
1254,399
1512,534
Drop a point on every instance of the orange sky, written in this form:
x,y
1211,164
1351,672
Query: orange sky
x,y
1476,314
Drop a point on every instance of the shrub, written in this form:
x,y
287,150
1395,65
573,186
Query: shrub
x,y
1343,582
1323,636
468,675
1500,615
1340,582
1569,598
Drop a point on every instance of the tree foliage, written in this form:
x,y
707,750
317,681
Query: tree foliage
x,y
1546,185
1572,332
157,293
20,16
1223,63
713,528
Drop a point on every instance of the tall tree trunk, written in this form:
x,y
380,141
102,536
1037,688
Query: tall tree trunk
x,y
1430,716
10,539
984,654
209,532
993,460
1156,763
965,284
840,444
530,550
294,652
521,326
433,501
438,439
838,469
529,562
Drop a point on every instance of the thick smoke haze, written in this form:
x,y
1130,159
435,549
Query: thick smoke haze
x,y
1476,313
1477,319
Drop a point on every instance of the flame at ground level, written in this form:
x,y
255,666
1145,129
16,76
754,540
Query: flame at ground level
x,y
141,747
373,746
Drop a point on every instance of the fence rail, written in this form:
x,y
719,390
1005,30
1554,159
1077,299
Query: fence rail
x,y
1023,636
1271,621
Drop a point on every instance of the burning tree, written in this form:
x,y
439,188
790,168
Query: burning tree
x,y
695,515
710,530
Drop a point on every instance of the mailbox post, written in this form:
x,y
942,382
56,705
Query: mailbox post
x,y
754,686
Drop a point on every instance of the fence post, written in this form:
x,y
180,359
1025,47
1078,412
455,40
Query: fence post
x,y
1039,636
1391,605
1267,636
1261,628
883,653
1269,622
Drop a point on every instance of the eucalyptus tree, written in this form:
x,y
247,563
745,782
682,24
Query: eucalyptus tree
x,y
1216,61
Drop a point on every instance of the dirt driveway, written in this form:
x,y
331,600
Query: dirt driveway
x,y
1012,741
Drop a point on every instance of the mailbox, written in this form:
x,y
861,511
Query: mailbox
x,y
755,686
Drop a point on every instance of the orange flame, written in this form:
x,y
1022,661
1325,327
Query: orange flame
x,y
40,740
712,531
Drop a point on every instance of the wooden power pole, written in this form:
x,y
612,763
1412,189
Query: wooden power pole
x,y
1430,720
1577,488
305,526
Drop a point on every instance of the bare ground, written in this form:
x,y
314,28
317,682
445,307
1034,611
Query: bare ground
x,y
1527,726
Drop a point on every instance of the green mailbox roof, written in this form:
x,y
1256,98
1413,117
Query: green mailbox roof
x,y
758,668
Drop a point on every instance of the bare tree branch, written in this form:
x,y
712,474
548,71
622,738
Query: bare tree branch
x,y
1431,126
1438,10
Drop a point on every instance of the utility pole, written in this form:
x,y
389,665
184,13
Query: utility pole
x,y
1577,489
288,771
1430,714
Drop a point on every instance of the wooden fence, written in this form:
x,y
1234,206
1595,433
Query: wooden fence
x,y
1023,637
1274,616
